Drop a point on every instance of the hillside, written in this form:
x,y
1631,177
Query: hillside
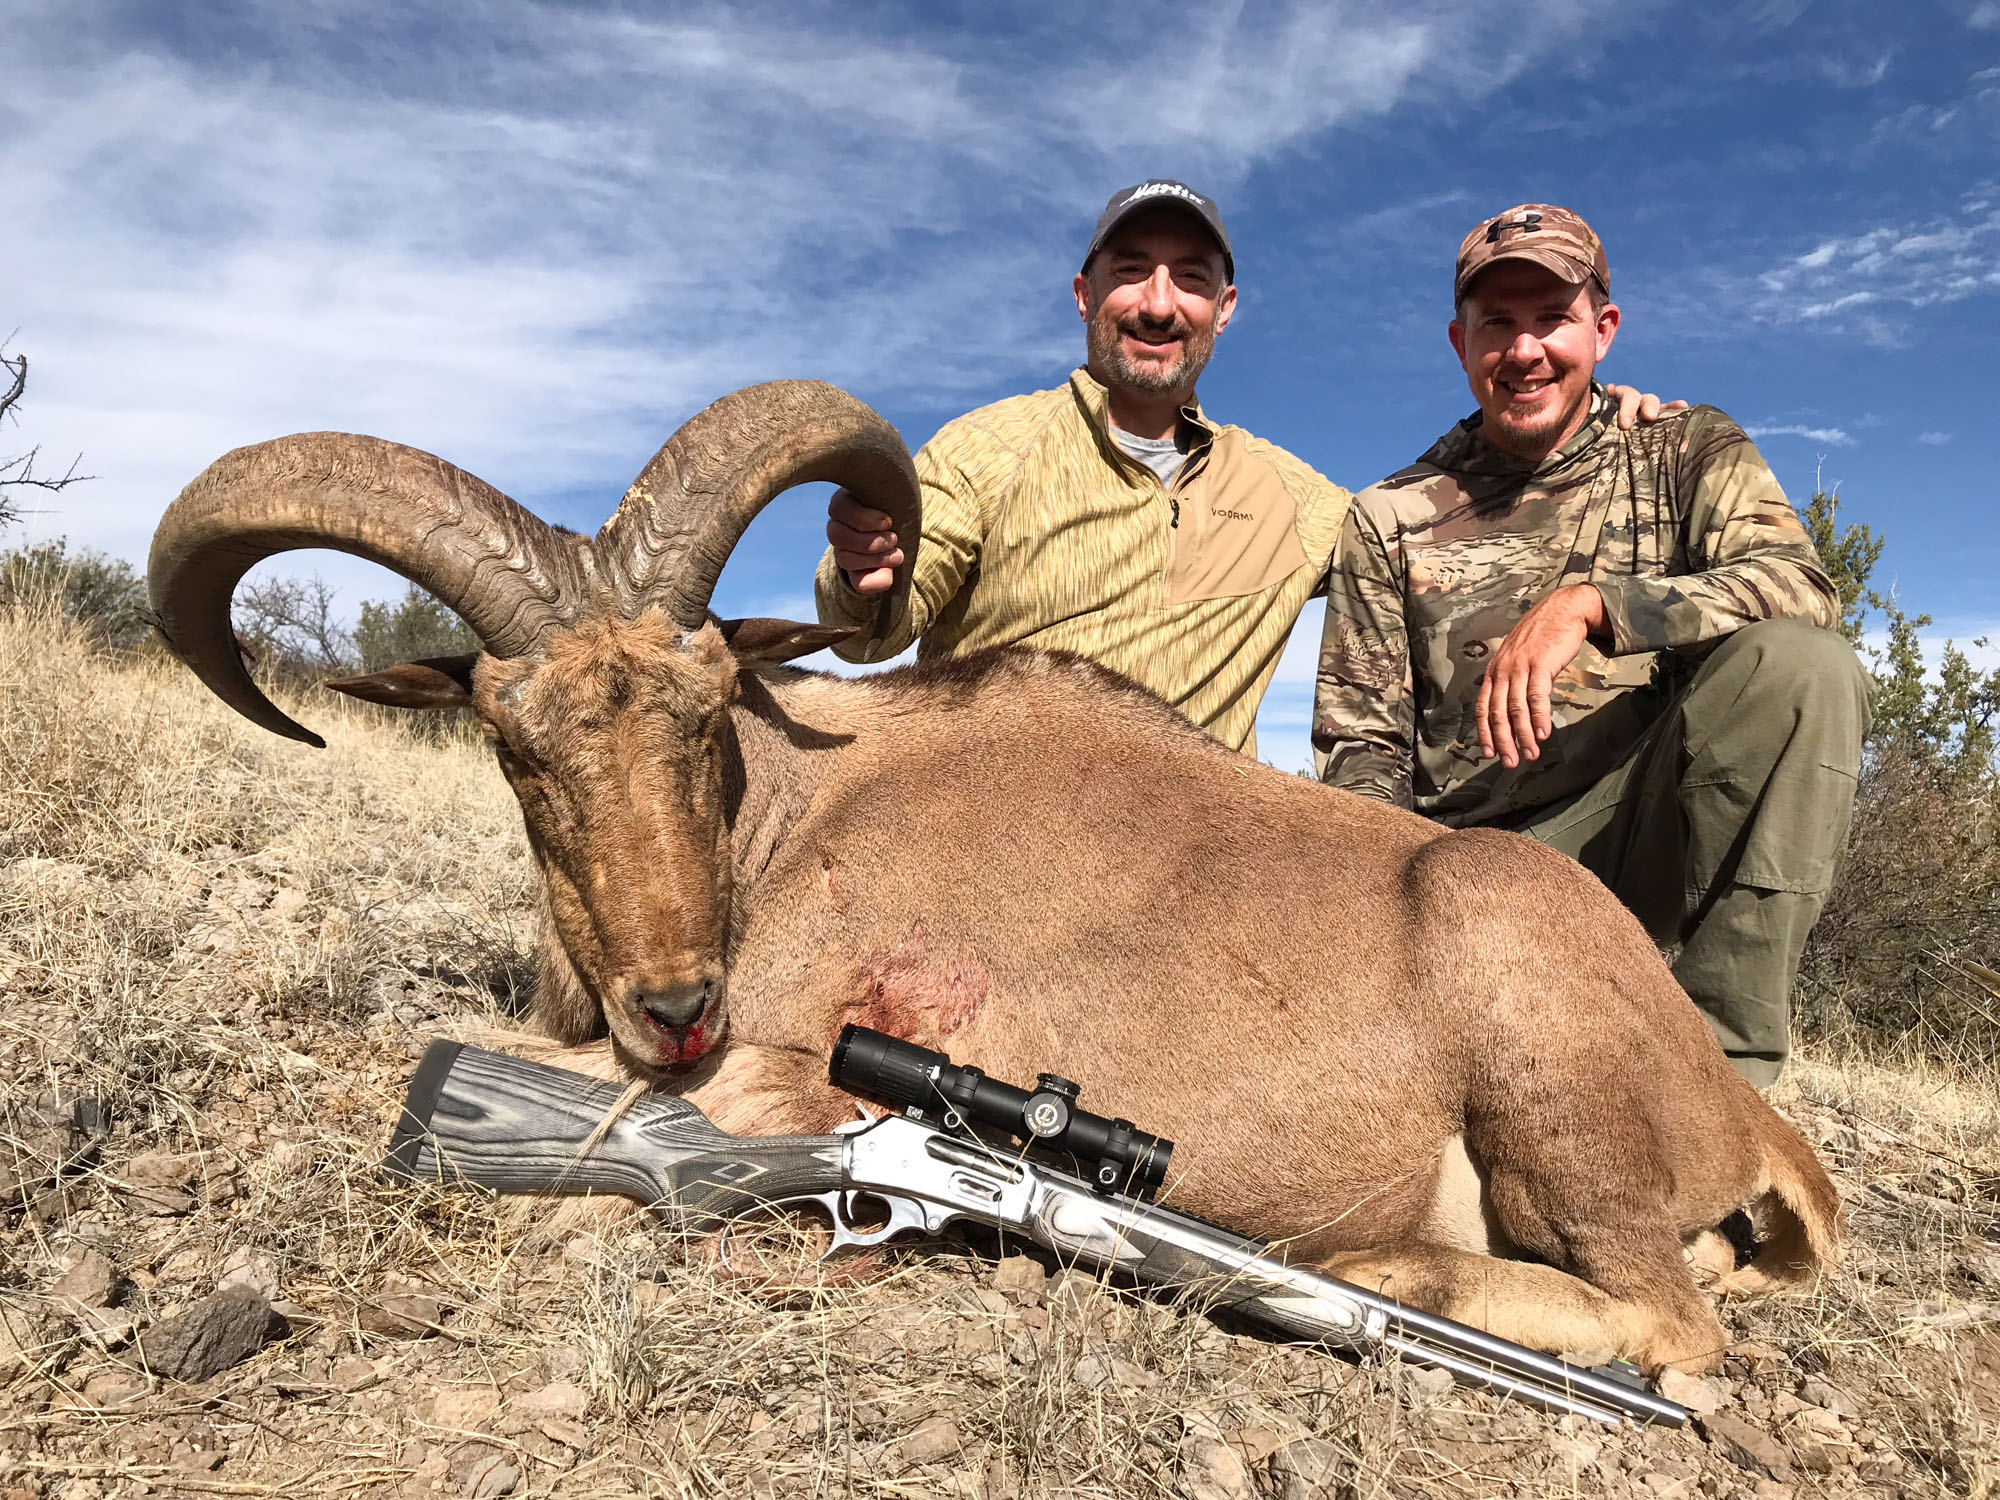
x,y
237,946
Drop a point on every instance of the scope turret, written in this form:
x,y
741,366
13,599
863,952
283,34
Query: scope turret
x,y
1115,1155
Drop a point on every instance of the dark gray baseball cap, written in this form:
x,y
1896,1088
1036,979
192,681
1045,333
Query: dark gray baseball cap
x,y
1162,192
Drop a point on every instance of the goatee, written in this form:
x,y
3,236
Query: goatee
x,y
1107,352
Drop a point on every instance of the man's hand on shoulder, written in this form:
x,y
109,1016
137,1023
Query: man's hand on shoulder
x,y
863,545
1635,406
1513,713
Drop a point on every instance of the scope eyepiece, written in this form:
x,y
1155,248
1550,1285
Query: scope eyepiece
x,y
1116,1154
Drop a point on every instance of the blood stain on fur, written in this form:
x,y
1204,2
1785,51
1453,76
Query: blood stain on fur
x,y
912,993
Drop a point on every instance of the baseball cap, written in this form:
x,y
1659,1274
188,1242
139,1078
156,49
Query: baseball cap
x,y
1549,236
1161,192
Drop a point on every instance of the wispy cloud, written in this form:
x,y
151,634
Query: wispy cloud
x,y
1985,16
534,238
1860,282
1833,437
1934,439
1855,73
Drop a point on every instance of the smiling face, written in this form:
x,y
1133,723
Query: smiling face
x,y
614,745
1530,342
1154,297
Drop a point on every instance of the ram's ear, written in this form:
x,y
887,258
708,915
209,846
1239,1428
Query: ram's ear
x,y
435,682
763,643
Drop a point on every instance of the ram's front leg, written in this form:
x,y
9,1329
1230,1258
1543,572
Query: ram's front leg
x,y
750,1090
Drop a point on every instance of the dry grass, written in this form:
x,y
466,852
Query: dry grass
x,y
239,945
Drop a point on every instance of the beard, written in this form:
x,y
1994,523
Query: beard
x,y
1107,352
1536,436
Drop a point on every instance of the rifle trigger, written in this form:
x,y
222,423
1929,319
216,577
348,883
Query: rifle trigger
x,y
904,1213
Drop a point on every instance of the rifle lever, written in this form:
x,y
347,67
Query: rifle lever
x,y
839,1208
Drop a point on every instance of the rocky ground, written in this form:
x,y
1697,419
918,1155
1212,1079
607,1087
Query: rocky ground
x,y
220,956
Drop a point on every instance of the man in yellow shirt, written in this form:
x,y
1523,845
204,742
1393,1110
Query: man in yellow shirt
x,y
1109,516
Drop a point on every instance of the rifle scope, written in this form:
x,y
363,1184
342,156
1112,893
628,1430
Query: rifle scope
x,y
1119,1156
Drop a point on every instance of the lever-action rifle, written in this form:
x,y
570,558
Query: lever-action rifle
x,y
1027,1162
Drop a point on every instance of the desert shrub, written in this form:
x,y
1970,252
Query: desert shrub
x,y
1905,950
409,629
100,593
289,627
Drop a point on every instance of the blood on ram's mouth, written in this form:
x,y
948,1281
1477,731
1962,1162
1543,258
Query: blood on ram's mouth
x,y
679,1045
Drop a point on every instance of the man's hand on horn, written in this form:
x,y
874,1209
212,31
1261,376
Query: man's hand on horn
x,y
1638,406
1513,713
863,545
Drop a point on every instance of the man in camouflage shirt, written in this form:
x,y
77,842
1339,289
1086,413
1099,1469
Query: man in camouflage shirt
x,y
1614,641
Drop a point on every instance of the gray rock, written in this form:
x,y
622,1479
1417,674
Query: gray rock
x,y
220,1331
491,1477
932,1441
1020,1278
1311,1469
157,1183
402,1314
353,1373
91,1281
1699,1394
1427,1386
114,1388
256,1270
1828,1397
1209,1468
1747,1447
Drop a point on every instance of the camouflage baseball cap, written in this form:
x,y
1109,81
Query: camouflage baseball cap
x,y
1540,232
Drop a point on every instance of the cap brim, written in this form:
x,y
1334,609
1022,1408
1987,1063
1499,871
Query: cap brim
x,y
1568,267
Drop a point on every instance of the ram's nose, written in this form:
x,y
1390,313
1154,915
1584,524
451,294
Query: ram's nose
x,y
676,1007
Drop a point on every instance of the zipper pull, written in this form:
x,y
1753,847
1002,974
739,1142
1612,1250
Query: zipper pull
x,y
1176,521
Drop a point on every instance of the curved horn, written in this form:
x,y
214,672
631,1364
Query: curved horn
x,y
510,575
686,511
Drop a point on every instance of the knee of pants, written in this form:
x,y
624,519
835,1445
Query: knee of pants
x,y
1793,662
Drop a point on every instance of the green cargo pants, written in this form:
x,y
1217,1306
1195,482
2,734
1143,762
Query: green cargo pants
x,y
1721,827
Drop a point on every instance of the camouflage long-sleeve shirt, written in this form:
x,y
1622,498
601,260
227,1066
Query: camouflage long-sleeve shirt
x,y
1679,524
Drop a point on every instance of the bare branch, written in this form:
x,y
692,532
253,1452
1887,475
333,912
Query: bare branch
x,y
18,368
292,621
18,472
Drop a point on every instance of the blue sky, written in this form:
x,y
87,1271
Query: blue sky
x,y
533,238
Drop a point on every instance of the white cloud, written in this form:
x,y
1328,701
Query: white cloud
x,y
1965,633
1847,73
1866,282
1832,436
1985,16
534,239
1934,439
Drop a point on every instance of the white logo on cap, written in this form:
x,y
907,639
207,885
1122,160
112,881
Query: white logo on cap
x,y
1169,189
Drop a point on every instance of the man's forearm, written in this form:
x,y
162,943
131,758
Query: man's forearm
x,y
1667,614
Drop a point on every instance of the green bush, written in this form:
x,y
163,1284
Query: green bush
x,y
410,629
1905,951
99,592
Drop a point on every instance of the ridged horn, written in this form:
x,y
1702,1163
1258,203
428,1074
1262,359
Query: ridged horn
x,y
510,575
686,511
